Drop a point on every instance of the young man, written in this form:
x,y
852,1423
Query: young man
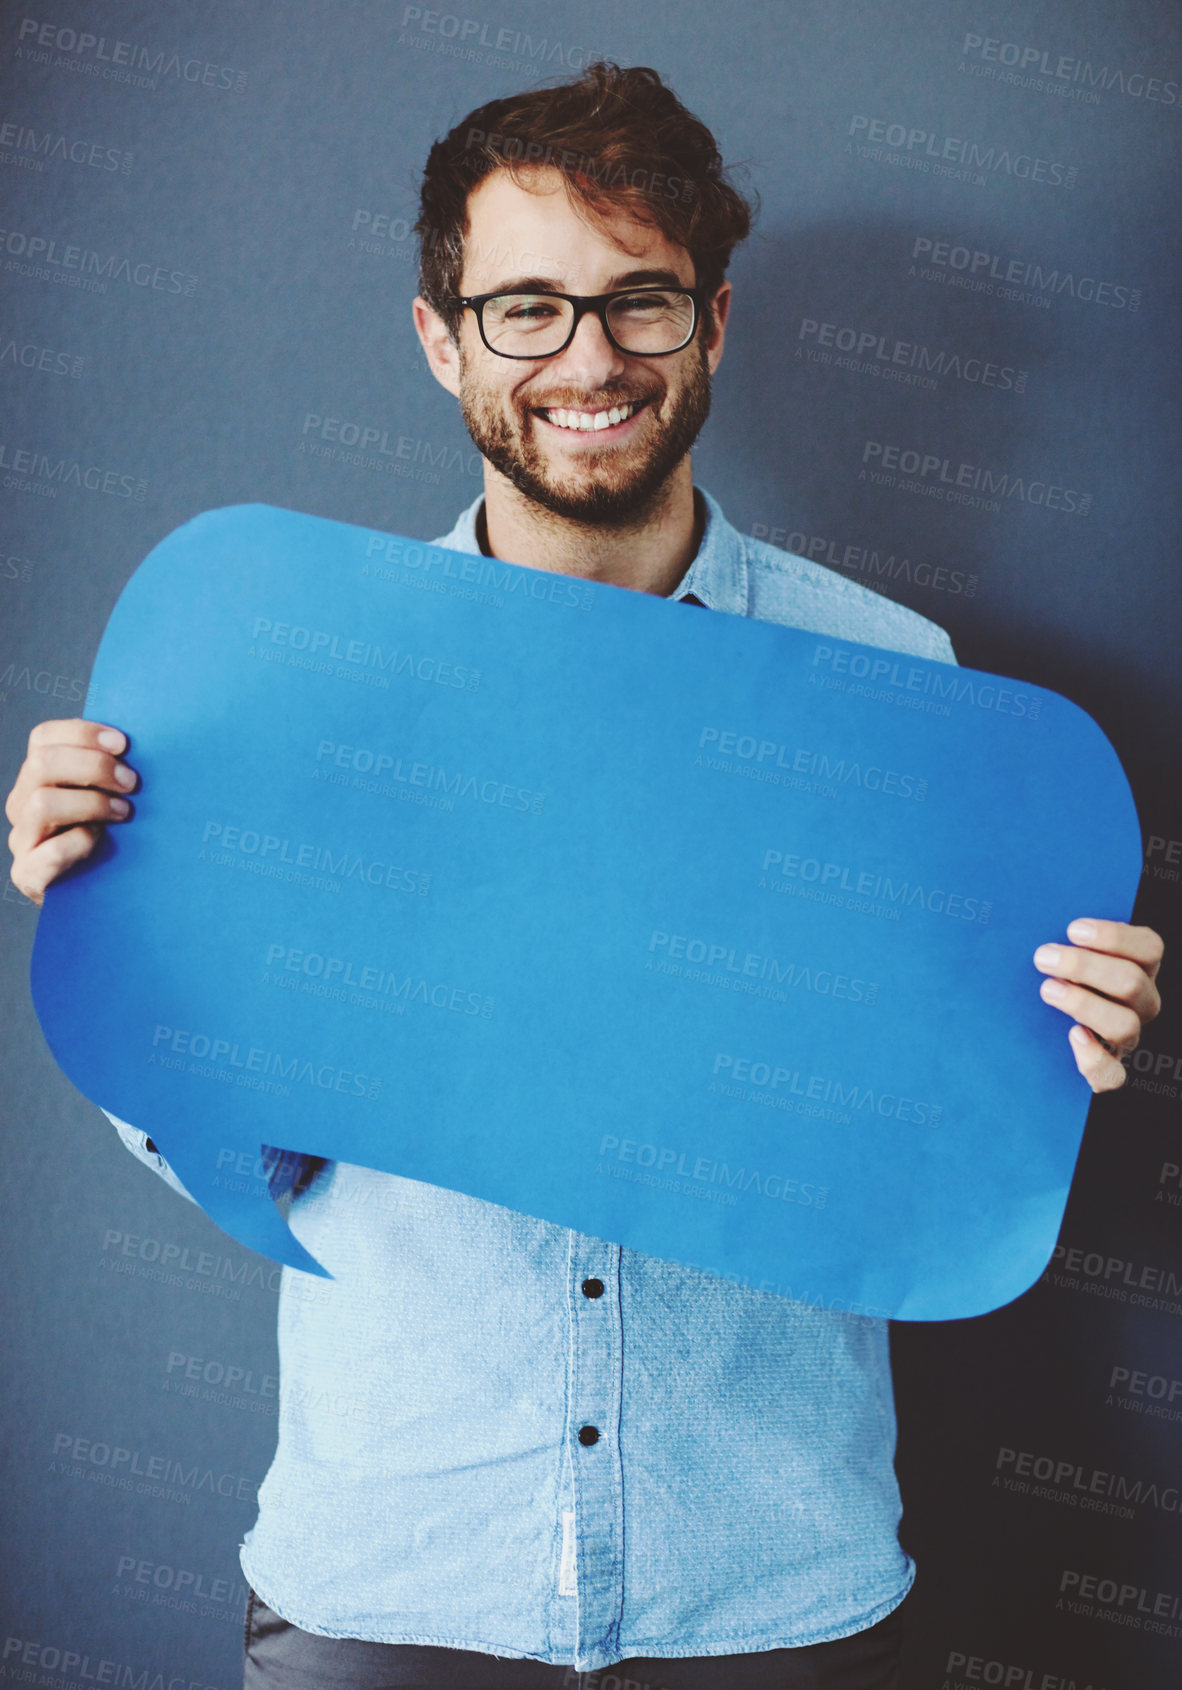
x,y
556,1450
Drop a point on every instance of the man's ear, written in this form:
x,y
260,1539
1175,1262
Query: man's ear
x,y
721,303
443,355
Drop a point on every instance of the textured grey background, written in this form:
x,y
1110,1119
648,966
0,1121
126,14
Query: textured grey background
x,y
259,138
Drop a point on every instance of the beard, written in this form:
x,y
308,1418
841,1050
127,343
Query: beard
x,y
622,487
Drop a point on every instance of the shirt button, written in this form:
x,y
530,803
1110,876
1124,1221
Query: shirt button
x,y
588,1434
593,1288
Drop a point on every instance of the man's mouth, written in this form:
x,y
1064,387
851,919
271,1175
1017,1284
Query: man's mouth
x,y
590,422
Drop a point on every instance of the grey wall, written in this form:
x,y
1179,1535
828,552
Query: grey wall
x,y
193,266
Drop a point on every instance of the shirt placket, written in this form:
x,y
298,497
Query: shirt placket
x,y
593,1443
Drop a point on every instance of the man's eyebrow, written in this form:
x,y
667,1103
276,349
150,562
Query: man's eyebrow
x,y
549,284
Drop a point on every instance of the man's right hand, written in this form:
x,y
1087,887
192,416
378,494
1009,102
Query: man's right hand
x,y
71,784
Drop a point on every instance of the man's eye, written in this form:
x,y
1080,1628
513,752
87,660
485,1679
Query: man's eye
x,y
532,312
641,302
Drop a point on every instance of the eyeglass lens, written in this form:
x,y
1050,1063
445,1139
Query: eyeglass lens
x,y
535,324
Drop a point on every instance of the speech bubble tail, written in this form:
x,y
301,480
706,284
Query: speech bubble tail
x,y
249,1216
260,1226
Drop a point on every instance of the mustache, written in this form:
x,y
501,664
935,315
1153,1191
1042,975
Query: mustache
x,y
603,402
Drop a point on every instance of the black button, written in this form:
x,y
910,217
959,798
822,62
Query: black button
x,y
593,1288
588,1434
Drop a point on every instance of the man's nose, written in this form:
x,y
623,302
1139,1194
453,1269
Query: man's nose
x,y
590,361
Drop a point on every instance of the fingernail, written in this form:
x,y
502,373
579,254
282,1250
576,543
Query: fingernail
x,y
111,740
119,806
1047,956
1081,931
1054,989
124,776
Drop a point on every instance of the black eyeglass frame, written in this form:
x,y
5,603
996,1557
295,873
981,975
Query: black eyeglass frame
x,y
582,302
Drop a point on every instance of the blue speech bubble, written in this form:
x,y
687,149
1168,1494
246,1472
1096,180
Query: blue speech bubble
x,y
698,934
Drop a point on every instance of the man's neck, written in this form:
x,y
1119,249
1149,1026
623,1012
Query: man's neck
x,y
650,554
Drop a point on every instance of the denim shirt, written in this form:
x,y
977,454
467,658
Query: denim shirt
x,y
431,1485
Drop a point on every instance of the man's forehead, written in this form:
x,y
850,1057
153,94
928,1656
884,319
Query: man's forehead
x,y
523,236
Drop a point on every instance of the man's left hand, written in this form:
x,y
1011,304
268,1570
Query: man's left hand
x,y
1104,980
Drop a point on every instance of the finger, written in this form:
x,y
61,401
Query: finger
x,y
38,868
1098,1066
1116,1023
76,730
1118,938
1114,976
71,765
92,736
52,809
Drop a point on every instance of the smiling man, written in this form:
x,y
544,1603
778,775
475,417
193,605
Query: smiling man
x,y
583,424
510,1454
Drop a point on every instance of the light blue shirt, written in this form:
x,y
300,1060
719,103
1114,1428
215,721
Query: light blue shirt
x,y
430,1485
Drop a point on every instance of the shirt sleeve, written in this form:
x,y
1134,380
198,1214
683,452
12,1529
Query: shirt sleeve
x,y
145,1151
289,1173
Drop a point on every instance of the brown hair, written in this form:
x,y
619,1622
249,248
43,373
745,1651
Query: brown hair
x,y
621,140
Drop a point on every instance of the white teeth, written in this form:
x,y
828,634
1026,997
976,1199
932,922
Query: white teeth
x,y
585,420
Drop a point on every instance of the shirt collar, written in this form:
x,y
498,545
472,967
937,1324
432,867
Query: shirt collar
x,y
717,577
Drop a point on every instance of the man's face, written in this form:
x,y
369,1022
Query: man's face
x,y
523,238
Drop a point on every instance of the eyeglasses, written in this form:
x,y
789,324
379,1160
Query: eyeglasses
x,y
650,322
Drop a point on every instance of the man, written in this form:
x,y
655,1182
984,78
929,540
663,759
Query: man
x,y
557,1450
